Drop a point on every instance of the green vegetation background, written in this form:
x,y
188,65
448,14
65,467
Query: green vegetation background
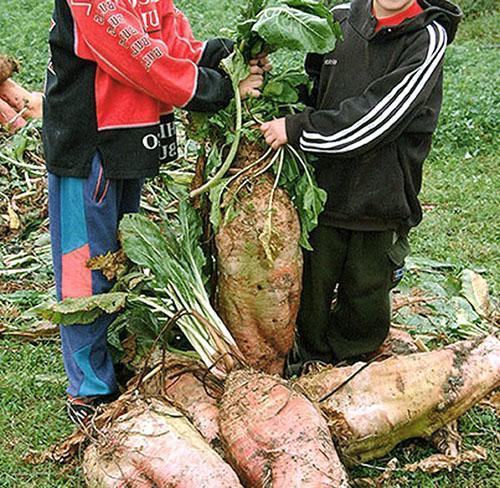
x,y
461,195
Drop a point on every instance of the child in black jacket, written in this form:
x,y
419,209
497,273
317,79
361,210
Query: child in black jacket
x,y
369,123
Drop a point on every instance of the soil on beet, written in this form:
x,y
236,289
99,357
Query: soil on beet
x,y
258,298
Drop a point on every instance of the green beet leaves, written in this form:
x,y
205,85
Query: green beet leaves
x,y
285,26
82,310
173,254
305,26
310,201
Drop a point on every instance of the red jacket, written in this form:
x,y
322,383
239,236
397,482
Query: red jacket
x,y
117,66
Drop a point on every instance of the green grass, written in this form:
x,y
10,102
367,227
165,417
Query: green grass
x,y
461,175
24,26
32,415
461,183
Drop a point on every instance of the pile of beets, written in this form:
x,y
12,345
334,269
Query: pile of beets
x,y
180,426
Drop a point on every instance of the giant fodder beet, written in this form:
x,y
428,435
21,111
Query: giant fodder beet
x,y
309,442
260,266
153,445
371,408
186,383
275,437
259,297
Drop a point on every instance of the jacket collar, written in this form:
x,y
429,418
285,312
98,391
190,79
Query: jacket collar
x,y
364,22
362,19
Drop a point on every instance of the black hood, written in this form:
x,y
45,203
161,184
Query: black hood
x,y
446,13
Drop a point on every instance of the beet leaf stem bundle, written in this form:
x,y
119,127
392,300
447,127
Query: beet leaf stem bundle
x,y
175,259
266,26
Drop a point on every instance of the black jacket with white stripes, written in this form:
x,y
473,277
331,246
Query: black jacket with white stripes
x,y
372,113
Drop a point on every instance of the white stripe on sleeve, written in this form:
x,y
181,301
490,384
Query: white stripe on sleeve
x,y
389,110
382,104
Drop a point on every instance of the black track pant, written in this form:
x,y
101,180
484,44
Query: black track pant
x,y
365,266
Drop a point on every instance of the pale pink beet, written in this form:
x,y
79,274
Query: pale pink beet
x,y
186,383
9,118
154,445
275,437
402,397
189,392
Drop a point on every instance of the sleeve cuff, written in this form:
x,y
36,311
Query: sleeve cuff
x,y
215,51
294,126
213,92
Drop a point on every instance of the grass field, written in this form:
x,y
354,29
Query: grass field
x,y
461,193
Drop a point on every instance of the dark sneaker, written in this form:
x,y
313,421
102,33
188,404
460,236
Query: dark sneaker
x,y
300,362
294,364
82,410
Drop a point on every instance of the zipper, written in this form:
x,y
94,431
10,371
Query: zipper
x,y
101,188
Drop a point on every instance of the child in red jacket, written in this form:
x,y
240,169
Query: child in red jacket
x,y
117,70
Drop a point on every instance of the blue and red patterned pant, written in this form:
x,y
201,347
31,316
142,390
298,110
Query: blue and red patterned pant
x,y
84,217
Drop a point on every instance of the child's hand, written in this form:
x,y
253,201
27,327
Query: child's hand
x,y
263,62
275,133
251,85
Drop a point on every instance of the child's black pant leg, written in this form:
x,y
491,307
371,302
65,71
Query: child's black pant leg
x,y
361,317
322,271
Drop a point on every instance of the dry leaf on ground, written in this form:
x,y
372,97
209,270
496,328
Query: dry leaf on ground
x,y
439,462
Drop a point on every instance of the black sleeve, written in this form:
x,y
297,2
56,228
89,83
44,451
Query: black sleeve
x,y
313,65
214,91
379,114
215,51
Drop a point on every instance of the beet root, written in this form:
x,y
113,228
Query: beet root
x,y
154,445
275,437
402,397
185,382
10,118
8,66
29,104
258,297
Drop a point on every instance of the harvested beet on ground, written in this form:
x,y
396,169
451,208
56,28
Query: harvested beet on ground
x,y
8,66
402,397
154,445
275,437
258,299
187,383
29,104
